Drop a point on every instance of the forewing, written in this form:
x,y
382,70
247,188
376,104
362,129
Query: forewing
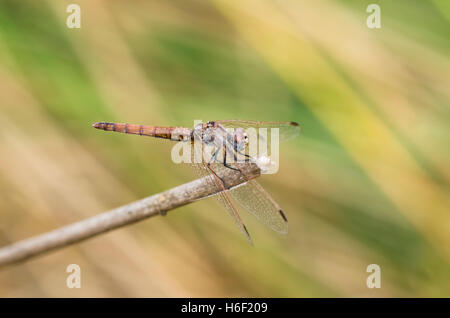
x,y
257,201
287,129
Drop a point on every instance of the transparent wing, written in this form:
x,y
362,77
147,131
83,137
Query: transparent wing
x,y
257,201
223,196
287,129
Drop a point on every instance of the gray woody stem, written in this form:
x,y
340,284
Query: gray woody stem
x,y
127,214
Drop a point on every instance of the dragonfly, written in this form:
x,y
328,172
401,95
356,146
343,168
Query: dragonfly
x,y
226,140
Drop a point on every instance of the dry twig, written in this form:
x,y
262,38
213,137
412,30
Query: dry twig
x,y
157,204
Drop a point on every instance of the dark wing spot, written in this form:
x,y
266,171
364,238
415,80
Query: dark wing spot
x,y
283,216
246,231
245,228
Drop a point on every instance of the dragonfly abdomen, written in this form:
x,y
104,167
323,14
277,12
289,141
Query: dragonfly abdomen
x,y
173,133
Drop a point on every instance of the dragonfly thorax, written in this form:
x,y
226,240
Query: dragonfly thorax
x,y
219,136
213,137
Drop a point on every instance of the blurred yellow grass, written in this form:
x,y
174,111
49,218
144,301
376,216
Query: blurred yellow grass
x,y
356,126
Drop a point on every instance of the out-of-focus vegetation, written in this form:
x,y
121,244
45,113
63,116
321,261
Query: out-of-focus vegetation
x,y
366,182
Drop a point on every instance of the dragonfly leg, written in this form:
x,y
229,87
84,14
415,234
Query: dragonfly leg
x,y
224,163
227,165
214,158
235,158
247,157
230,167
243,154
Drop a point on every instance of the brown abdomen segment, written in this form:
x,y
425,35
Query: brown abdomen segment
x,y
174,133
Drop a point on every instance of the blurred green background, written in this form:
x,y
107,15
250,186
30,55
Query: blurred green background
x,y
367,181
